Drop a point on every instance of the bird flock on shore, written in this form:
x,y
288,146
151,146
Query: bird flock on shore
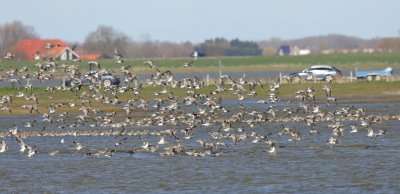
x,y
199,124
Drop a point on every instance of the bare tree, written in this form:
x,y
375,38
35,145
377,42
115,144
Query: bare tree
x,y
105,40
391,44
150,49
10,33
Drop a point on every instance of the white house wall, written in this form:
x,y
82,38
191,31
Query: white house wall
x,y
72,55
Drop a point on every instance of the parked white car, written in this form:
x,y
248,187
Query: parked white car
x,y
318,72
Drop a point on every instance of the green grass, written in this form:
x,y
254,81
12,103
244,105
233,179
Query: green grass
x,y
361,88
361,61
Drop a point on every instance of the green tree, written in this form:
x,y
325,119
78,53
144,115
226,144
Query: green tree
x,y
242,48
213,47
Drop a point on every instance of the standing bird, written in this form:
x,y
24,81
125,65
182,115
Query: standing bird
x,y
7,109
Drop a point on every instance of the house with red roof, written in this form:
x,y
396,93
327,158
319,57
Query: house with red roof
x,y
34,49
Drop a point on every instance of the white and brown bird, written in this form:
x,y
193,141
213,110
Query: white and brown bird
x,y
150,63
9,56
118,57
3,146
54,152
188,64
272,147
78,145
333,141
162,141
328,90
22,144
93,64
50,45
31,151
37,56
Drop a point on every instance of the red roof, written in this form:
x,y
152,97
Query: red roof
x,y
92,56
27,48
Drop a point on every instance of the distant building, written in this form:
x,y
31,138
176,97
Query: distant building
x,y
35,49
91,56
288,50
88,55
353,51
304,51
195,55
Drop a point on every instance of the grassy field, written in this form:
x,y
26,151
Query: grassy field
x,y
257,63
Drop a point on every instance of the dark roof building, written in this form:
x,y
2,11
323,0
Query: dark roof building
x,y
288,50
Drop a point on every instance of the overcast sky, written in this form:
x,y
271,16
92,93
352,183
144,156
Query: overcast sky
x,y
197,20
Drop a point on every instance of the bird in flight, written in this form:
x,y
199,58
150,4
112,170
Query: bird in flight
x,y
9,56
188,64
51,45
150,63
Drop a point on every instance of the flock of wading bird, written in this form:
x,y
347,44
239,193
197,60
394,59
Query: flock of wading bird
x,y
200,124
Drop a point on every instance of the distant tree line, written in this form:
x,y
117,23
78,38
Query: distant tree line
x,y
223,47
319,43
105,40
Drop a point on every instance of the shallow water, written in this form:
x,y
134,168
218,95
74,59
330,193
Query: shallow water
x,y
357,165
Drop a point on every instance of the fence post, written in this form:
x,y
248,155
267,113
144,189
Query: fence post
x,y
351,76
280,77
220,67
63,83
208,79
